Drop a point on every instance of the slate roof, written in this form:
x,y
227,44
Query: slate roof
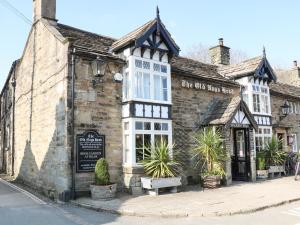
x,y
137,33
223,110
100,43
285,89
244,68
196,68
87,40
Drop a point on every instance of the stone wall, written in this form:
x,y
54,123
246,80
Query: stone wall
x,y
285,125
189,108
41,157
99,108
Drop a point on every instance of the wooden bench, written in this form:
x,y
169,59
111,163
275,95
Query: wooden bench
x,y
276,170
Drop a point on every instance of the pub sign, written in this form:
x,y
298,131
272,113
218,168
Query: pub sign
x,y
90,147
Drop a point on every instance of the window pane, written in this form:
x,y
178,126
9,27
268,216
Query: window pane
x,y
139,154
139,141
157,139
139,125
157,126
164,126
156,67
147,140
163,69
157,90
138,63
138,85
147,126
165,139
126,125
146,85
146,65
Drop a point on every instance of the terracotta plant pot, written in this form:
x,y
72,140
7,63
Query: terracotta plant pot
x,y
103,192
261,174
213,181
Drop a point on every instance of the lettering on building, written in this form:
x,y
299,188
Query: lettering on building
x,y
206,87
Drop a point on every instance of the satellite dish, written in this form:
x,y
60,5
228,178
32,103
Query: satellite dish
x,y
118,77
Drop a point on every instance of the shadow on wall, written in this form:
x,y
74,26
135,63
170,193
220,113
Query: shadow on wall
x,y
54,174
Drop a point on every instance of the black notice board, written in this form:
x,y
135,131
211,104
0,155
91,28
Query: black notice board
x,y
90,147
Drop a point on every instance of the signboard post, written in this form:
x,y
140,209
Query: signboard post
x,y
90,147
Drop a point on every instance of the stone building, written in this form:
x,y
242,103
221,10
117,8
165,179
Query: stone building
x,y
75,96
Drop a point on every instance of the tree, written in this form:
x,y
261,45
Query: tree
x,y
200,52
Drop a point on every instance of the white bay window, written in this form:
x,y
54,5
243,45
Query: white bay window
x,y
147,80
143,135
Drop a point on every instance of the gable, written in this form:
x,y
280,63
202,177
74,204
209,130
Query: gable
x,y
153,35
265,71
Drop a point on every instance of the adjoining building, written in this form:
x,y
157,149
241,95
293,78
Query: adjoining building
x,y
75,96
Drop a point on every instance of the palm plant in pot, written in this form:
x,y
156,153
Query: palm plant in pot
x,y
103,188
275,157
161,168
261,170
209,152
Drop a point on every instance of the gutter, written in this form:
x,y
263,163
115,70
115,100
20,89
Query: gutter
x,y
13,83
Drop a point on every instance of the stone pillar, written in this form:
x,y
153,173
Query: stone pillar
x,y
252,156
132,179
229,147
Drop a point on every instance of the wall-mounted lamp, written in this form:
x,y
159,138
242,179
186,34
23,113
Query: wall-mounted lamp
x,y
285,108
98,69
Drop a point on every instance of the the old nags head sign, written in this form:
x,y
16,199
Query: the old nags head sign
x,y
90,148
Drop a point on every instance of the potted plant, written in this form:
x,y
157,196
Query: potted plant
x,y
274,156
261,171
103,188
209,152
161,168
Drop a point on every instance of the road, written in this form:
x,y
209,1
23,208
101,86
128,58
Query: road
x,y
20,207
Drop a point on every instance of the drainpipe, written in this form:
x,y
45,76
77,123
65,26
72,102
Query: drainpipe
x,y
73,192
13,83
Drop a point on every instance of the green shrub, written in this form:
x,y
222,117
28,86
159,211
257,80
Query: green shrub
x,y
261,160
101,172
209,152
159,163
274,156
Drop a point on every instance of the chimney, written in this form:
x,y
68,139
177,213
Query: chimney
x,y
44,9
296,69
220,54
295,64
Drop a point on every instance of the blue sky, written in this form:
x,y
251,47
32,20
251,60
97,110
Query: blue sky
x,y
244,25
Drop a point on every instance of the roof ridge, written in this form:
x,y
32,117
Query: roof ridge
x,y
85,31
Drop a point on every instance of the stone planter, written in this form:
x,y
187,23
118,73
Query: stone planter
x,y
103,192
213,181
153,184
262,174
276,170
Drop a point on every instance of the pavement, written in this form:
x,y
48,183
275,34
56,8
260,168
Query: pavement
x,y
239,198
21,205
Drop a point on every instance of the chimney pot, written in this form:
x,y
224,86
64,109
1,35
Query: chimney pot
x,y
295,63
221,41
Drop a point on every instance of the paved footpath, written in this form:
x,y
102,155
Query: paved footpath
x,y
19,207
239,198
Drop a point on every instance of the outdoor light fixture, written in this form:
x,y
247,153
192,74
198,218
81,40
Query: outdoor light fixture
x,y
285,109
98,69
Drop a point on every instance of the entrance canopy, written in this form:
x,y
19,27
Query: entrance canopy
x,y
230,113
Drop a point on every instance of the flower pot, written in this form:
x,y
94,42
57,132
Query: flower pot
x,y
262,174
103,192
212,181
153,184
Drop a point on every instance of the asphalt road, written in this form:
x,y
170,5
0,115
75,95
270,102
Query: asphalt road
x,y
20,207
